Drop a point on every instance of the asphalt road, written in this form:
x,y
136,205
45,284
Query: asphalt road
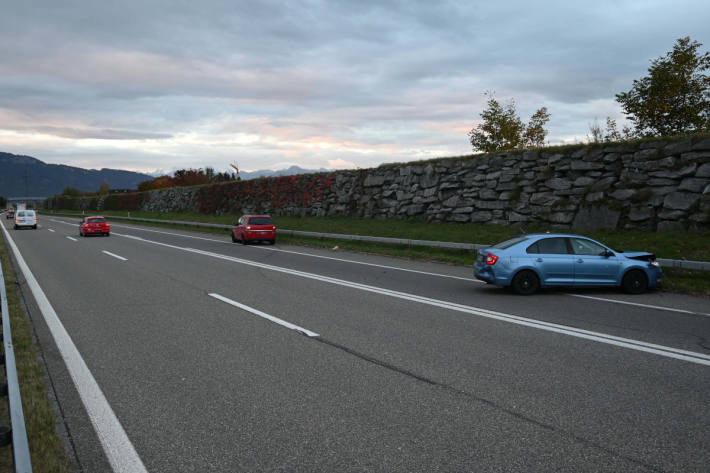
x,y
393,366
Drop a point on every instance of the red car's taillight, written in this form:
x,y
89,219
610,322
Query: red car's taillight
x,y
491,259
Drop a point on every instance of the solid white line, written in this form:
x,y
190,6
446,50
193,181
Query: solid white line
x,y
669,352
306,254
72,239
117,446
670,309
266,316
369,264
637,304
115,256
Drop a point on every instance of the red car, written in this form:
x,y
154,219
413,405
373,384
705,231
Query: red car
x,y
254,228
94,225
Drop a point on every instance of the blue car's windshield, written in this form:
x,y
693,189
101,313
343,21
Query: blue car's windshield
x,y
508,243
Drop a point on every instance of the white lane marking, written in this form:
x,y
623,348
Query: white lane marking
x,y
670,309
50,230
306,254
669,352
637,304
265,315
369,264
115,256
117,446
72,239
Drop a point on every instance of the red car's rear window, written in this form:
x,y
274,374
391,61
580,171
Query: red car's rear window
x,y
95,220
260,221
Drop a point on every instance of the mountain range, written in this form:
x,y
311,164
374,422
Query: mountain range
x,y
25,176
281,172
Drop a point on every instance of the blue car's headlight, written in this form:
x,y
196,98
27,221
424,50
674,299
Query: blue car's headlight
x,y
655,263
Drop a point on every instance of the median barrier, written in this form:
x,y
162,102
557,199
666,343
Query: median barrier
x,y
17,432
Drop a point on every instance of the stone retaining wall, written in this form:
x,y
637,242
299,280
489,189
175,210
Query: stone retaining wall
x,y
657,185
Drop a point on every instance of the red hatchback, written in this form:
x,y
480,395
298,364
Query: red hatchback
x,y
254,228
94,225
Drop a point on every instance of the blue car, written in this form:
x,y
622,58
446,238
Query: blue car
x,y
529,262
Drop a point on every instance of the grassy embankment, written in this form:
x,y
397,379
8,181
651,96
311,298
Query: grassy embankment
x,y
671,245
46,450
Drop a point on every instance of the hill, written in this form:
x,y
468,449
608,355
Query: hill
x,y
44,180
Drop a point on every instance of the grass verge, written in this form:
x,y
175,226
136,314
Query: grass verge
x,y
46,450
671,245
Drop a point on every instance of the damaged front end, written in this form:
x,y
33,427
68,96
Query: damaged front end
x,y
642,256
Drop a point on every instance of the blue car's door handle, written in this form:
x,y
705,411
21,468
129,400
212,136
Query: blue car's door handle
x,y
580,260
539,260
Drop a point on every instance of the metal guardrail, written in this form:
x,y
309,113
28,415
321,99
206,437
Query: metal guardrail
x,y
20,446
669,263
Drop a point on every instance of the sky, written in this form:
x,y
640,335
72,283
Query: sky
x,y
154,86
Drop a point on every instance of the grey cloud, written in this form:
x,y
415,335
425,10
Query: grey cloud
x,y
319,68
101,134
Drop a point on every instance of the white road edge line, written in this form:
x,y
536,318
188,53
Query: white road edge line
x,y
117,446
637,304
669,352
265,315
115,256
70,238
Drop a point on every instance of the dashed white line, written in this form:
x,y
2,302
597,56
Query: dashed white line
x,y
70,238
114,255
117,446
50,230
265,315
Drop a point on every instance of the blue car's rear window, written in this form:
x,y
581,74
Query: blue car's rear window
x,y
508,243
549,246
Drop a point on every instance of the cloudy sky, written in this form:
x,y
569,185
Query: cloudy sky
x,y
150,85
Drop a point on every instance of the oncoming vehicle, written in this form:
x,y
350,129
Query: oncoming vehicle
x,y
529,262
26,218
95,225
10,214
254,228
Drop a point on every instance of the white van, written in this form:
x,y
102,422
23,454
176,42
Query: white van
x,y
25,218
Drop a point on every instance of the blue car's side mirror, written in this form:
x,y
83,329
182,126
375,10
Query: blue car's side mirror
x,y
607,253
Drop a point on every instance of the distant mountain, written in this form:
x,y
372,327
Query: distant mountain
x,y
282,172
44,180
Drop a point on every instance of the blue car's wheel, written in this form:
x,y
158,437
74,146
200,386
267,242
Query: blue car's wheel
x,y
525,283
634,282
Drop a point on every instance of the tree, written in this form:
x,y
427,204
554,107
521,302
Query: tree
x,y
71,192
104,188
535,133
675,96
610,134
503,130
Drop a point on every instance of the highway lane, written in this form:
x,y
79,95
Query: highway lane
x,y
391,384
650,324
